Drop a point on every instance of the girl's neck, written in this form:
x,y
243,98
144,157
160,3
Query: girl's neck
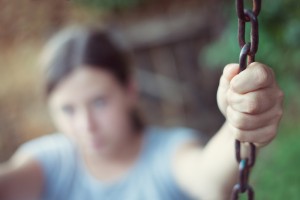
x,y
113,165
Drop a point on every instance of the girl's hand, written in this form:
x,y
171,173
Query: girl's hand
x,y
251,101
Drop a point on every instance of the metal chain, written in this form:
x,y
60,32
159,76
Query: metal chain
x,y
248,51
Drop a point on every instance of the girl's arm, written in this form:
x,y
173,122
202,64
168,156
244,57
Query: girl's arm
x,y
251,101
20,179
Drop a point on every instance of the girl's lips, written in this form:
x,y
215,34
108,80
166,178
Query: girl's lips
x,y
97,143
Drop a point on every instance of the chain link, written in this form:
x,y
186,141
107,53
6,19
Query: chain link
x,y
248,51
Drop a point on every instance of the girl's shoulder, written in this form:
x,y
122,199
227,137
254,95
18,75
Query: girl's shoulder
x,y
52,151
50,143
56,155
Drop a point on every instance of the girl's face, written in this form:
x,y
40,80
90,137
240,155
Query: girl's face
x,y
93,108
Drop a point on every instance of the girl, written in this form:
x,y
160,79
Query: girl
x,y
104,150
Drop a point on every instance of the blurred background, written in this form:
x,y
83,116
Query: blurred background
x,y
179,48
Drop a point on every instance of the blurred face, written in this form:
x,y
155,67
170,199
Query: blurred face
x,y
92,108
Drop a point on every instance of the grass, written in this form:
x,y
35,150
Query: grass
x,y
276,174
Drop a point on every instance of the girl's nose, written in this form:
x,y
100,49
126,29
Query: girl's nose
x,y
87,122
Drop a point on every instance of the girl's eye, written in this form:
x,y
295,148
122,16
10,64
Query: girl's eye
x,y
100,102
69,110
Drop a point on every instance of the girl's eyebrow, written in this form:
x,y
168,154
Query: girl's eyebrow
x,y
97,97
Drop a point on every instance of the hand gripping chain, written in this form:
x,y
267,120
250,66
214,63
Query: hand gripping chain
x,y
248,51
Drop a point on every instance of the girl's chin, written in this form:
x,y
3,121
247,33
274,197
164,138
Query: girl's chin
x,y
96,147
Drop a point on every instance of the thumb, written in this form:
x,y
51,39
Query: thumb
x,y
229,71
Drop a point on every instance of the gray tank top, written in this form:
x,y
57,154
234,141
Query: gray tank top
x,y
151,177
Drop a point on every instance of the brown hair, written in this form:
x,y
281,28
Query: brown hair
x,y
76,47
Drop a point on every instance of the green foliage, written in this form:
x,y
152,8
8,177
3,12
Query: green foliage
x,y
110,4
276,174
279,45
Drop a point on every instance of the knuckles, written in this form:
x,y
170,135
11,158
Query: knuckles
x,y
237,119
267,134
280,95
262,75
241,136
255,102
252,106
279,114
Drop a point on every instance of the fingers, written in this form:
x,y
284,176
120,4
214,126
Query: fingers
x,y
252,103
259,136
255,102
256,76
247,122
229,72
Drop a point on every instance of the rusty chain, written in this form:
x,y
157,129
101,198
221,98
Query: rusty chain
x,y
248,51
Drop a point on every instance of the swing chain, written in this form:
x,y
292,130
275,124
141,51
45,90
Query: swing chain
x,y
248,51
